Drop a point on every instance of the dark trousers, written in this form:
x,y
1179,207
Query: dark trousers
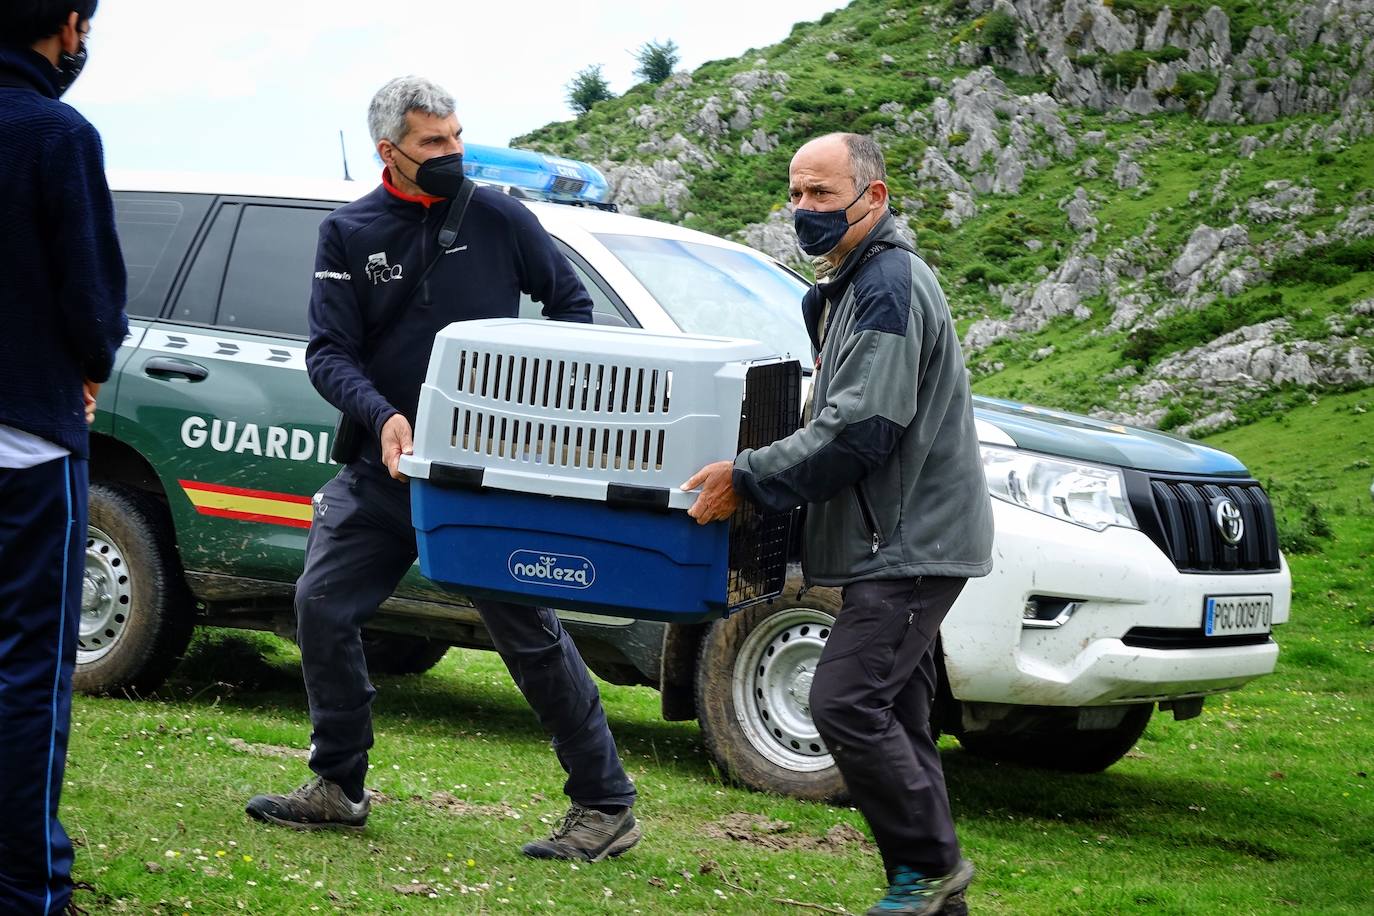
x,y
42,556
871,701
361,544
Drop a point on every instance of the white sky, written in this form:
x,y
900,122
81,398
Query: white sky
x,y
265,86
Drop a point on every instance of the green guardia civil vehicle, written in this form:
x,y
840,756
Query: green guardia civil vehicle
x,y
1134,571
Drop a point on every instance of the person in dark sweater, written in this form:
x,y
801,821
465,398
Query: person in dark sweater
x,y
62,311
384,287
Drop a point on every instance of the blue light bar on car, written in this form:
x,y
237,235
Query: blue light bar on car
x,y
545,177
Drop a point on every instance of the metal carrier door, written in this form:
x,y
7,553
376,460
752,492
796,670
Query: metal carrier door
x,y
759,539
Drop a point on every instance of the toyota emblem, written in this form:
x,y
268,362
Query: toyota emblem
x,y
1230,523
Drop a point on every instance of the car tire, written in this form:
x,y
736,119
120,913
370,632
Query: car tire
x,y
390,653
136,611
753,682
1066,750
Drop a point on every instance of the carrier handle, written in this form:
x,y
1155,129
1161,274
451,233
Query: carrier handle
x,y
456,476
631,496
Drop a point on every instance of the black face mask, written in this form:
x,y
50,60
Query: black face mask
x,y
820,231
69,67
441,176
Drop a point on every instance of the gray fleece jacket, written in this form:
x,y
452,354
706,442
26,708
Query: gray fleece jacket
x,y
889,462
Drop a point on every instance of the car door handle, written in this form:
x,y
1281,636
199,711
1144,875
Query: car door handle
x,y
172,369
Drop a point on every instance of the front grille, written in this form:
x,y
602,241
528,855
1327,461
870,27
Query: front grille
x,y
1179,514
565,185
1187,638
759,539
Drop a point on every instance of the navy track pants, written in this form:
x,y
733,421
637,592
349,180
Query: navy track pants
x,y
42,557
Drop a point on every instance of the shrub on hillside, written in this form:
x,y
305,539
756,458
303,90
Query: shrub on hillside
x,y
1174,417
1326,265
999,32
586,88
986,274
1185,330
1302,524
656,60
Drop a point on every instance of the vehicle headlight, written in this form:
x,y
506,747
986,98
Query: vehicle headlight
x,y
1086,494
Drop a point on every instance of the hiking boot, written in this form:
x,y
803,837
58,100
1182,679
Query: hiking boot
x,y
956,905
317,805
587,835
911,892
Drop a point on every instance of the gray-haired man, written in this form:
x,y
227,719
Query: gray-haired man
x,y
898,509
371,253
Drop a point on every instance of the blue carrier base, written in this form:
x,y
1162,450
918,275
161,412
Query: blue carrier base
x,y
574,554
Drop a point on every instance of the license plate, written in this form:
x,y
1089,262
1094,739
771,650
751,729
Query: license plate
x,y
1237,615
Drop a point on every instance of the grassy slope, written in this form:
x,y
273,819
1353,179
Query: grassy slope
x,y
1263,803
1184,155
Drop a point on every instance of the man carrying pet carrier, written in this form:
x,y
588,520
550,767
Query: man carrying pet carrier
x,y
423,250
898,513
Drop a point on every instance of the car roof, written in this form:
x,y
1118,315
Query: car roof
x,y
556,217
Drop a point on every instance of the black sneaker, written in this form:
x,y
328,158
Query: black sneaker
x,y
911,893
317,805
587,835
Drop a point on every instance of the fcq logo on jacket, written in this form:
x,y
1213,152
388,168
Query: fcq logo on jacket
x,y
380,271
560,569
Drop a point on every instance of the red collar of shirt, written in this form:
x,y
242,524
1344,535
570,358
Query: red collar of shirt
x,y
424,200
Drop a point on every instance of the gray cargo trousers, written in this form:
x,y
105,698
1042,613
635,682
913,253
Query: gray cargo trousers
x,y
360,546
871,701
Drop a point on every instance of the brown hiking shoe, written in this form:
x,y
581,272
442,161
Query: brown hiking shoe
x,y
317,805
587,835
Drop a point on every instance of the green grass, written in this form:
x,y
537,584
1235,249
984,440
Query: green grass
x,y
1262,804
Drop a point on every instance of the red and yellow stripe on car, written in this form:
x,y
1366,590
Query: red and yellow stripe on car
x,y
248,505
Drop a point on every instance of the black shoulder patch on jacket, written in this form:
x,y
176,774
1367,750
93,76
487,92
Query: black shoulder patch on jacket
x,y
882,293
858,449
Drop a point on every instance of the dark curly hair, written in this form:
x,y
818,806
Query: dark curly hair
x,y
22,22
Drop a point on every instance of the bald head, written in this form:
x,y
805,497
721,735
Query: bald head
x,y
857,154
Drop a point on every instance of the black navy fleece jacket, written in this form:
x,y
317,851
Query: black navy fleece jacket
x,y
63,285
370,254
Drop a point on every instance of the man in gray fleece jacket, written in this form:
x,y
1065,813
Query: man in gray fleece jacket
x,y
898,513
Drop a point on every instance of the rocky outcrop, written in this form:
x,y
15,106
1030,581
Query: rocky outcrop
x,y
1081,44
1245,365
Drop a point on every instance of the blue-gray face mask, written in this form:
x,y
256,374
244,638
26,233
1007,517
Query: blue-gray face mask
x,y
819,231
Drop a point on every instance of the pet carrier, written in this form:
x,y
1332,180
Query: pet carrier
x,y
549,456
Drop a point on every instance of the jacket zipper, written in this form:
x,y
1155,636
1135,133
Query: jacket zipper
x,y
868,517
424,255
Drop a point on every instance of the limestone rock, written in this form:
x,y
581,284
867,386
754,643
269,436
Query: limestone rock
x,y
1127,173
1080,211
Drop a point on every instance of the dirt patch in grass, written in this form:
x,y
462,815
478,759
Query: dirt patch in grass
x,y
268,750
452,804
777,835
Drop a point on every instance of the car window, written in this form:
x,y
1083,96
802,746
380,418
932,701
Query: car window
x,y
604,308
154,231
267,281
199,295
709,289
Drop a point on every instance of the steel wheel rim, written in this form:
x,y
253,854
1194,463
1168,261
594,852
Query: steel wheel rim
x,y
772,684
106,597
